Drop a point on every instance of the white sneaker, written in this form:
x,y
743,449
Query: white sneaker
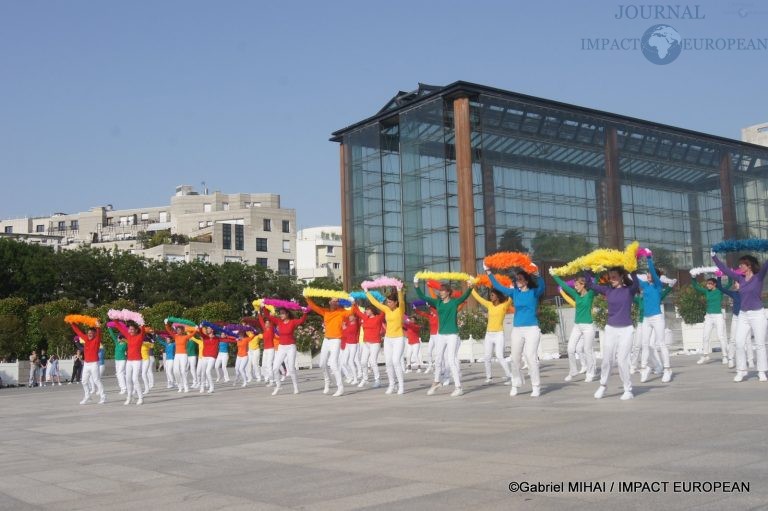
x,y
103,399
488,381
627,395
400,391
667,376
761,376
407,371
508,382
244,384
217,380
417,370
59,384
361,384
600,392
269,384
389,390
568,378
338,392
589,377
140,401
295,391
282,378
85,400
127,401
536,392
277,389
632,369
740,375
731,363
751,364
432,389
725,360
644,373
122,391
202,389
703,360
458,392
583,370
376,384
513,391
327,388
446,382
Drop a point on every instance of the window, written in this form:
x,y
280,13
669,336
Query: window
x,y
239,237
74,225
329,250
267,224
145,217
163,216
40,228
206,208
284,266
261,244
286,226
8,229
226,239
286,245
203,258
336,266
62,225
201,224
261,261
225,206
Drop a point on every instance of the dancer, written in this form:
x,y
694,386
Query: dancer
x,y
713,319
618,328
192,358
333,317
583,327
222,359
241,362
526,291
446,344
147,373
181,357
168,362
253,369
653,324
351,338
394,310
91,342
751,315
286,352
497,308
268,351
121,358
431,316
209,346
134,338
654,357
413,336
372,325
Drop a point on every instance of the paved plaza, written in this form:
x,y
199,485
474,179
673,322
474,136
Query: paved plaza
x,y
243,449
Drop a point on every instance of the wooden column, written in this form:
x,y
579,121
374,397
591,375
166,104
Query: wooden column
x,y
462,133
489,209
611,218
346,225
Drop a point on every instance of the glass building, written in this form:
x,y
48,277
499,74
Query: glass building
x,y
442,176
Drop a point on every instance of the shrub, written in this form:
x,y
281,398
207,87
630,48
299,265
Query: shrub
x,y
472,323
548,318
691,306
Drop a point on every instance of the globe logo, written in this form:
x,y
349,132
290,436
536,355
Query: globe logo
x,y
661,44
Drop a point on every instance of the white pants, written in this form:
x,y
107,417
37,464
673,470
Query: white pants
x,y
431,350
582,332
120,373
241,366
414,355
180,371
102,367
654,339
206,366
393,357
151,371
132,372
445,353
637,342
145,372
253,370
329,356
201,370
757,323
222,359
91,373
373,360
193,369
494,345
717,323
267,360
617,346
363,355
286,353
353,361
525,338
168,365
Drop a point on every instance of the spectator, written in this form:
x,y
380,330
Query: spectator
x,y
53,370
34,368
43,368
77,368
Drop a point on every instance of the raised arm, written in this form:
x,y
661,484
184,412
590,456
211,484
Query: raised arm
x,y
565,287
591,284
122,328
540,286
372,299
430,300
653,272
78,332
360,314
315,307
498,287
697,287
665,291
465,294
635,287
302,319
401,300
724,268
482,301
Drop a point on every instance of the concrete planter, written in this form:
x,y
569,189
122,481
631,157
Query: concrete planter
x,y
10,372
692,336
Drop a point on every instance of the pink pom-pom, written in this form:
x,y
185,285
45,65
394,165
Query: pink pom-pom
x,y
381,282
643,252
284,304
126,315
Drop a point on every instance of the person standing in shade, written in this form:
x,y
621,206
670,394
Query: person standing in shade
x,y
713,319
34,368
77,367
43,368
446,344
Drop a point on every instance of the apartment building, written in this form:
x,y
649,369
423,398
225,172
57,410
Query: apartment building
x,y
318,253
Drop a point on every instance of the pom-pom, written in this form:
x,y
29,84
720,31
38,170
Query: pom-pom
x,y
504,260
667,281
325,293
219,329
643,252
360,295
282,304
702,270
381,282
343,302
747,245
126,315
600,260
81,319
182,321
484,281
446,275
570,301
416,304
434,284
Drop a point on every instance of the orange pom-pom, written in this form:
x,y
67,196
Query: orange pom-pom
x,y
484,281
504,260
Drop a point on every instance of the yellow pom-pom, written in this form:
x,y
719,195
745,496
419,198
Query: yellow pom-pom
x,y
325,293
600,260
434,275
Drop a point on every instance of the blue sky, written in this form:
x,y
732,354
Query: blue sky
x,y
119,102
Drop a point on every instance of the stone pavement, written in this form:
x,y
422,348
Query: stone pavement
x,y
242,449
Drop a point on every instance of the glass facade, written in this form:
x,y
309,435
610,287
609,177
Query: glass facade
x,y
553,179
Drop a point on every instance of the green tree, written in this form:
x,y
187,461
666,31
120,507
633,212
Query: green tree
x,y
156,314
36,333
559,247
12,334
512,241
27,271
